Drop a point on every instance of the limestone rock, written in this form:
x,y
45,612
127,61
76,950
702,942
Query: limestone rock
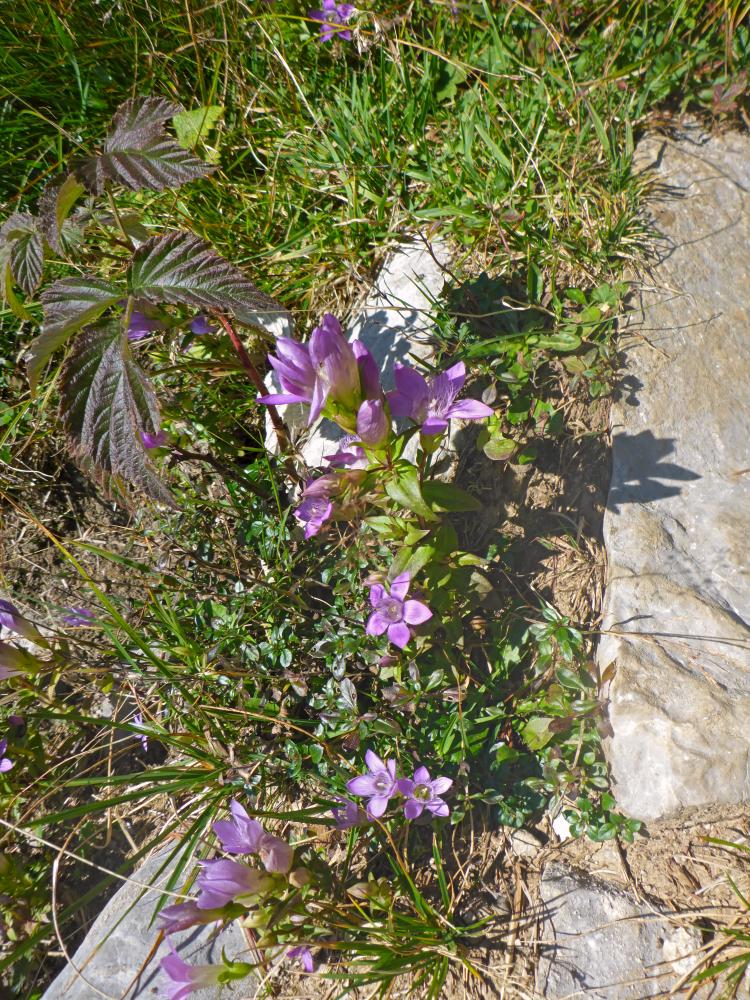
x,y
599,943
677,602
115,959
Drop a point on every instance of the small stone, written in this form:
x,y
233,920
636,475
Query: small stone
x,y
525,843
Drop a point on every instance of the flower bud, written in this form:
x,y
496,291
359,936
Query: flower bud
x,y
373,426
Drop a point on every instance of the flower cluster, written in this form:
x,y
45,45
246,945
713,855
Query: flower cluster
x,y
333,15
380,784
226,889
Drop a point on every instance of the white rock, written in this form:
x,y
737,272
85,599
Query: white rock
x,y
678,521
599,943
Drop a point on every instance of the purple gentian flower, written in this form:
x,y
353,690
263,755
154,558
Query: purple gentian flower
x,y
156,440
296,374
138,724
79,617
393,613
432,404
332,15
348,814
5,762
180,916
200,326
186,979
242,835
373,425
422,793
303,953
12,619
378,786
316,507
141,326
336,368
222,881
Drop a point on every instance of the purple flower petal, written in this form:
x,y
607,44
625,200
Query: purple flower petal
x,y
412,387
363,784
276,854
456,374
438,808
405,786
377,624
433,426
400,586
5,765
470,409
413,808
421,776
280,399
399,634
377,593
440,785
377,806
415,612
373,762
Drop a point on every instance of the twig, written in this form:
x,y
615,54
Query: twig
x,y
254,376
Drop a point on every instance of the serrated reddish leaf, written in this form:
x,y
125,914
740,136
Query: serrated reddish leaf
x,y
106,402
139,153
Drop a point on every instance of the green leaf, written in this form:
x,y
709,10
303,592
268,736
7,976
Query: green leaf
x,y
404,488
6,288
139,153
68,305
537,733
184,269
106,402
447,497
192,126
21,234
499,448
563,340
448,81
55,204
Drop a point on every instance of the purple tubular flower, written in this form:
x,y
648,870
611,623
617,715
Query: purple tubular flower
x,y
138,723
200,326
79,617
348,814
332,15
12,619
378,786
242,835
303,953
141,326
186,979
222,881
431,404
373,425
393,613
336,368
317,507
180,916
6,763
296,374
369,376
156,440
422,793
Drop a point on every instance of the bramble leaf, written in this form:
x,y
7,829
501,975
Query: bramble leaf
x,y
139,153
182,268
21,234
55,204
106,402
68,305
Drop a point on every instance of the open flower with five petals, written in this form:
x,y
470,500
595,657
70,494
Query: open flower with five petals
x,y
432,403
378,785
393,613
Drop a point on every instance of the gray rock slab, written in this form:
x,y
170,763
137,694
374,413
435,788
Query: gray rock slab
x,y
393,323
114,961
677,601
598,942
